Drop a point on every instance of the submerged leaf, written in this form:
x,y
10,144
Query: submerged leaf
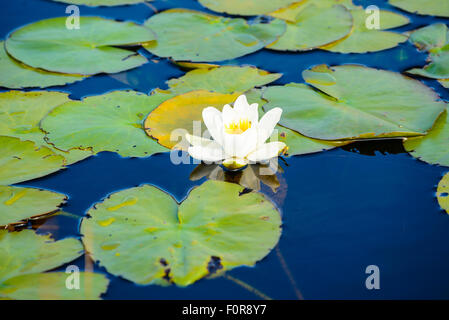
x,y
23,160
195,36
443,193
91,49
16,75
362,103
17,203
109,122
143,235
21,113
247,7
439,8
434,147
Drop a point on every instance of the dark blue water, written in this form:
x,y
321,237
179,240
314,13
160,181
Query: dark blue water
x,y
367,204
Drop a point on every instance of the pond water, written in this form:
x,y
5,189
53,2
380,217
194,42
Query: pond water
x,y
365,204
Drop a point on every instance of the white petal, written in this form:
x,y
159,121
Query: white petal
x,y
235,163
214,123
209,153
239,145
266,151
241,105
253,114
228,114
267,123
200,141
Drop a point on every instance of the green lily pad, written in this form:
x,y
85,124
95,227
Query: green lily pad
x,y
25,255
196,36
108,122
355,102
21,113
16,75
227,79
247,7
23,160
443,193
434,147
444,83
102,3
17,203
439,8
91,49
314,27
363,40
143,235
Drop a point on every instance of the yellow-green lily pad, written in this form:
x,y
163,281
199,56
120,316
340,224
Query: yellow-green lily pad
x,y
226,79
91,49
443,193
355,102
315,26
17,203
195,36
102,3
26,255
16,75
142,234
434,147
439,8
363,40
21,113
247,7
23,160
109,122
444,83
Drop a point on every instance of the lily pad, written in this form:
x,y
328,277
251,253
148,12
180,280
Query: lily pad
x,y
143,235
227,79
363,40
443,193
439,8
355,102
16,75
23,160
91,49
247,7
102,3
17,203
315,26
21,113
196,36
108,122
434,147
25,255
444,83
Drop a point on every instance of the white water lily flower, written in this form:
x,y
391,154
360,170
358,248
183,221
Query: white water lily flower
x,y
238,135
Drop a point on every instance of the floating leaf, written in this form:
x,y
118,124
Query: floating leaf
x,y
196,36
443,193
105,3
444,83
17,203
227,79
26,254
108,122
434,147
91,49
143,235
439,8
247,7
362,103
16,75
21,113
363,40
23,160
315,26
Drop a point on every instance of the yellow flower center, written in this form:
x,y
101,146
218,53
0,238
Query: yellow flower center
x,y
238,127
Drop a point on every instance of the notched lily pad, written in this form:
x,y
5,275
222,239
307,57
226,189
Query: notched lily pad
x,y
21,113
16,75
443,193
17,203
196,36
109,122
361,103
23,160
26,255
91,49
439,8
143,235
